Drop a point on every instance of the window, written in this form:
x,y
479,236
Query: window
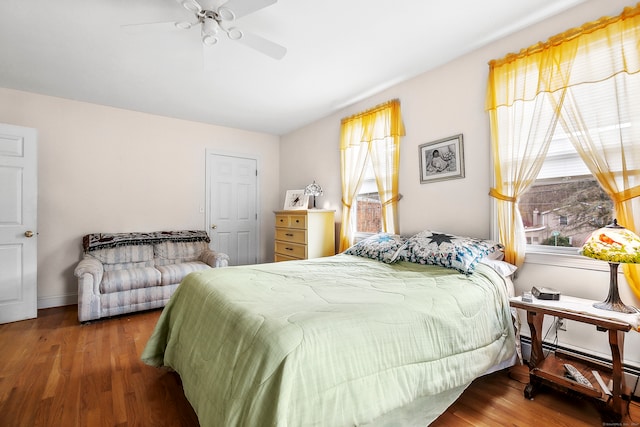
x,y
368,208
566,203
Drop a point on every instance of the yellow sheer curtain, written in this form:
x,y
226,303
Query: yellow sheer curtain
x,y
385,158
601,110
353,159
373,134
522,123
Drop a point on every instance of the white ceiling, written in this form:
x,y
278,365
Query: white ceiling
x,y
338,52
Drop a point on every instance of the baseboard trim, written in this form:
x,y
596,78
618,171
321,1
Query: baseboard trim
x,y
57,301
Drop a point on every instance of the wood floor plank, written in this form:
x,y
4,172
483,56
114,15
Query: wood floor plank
x,y
57,372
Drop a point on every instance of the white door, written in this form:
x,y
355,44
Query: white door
x,y
18,220
232,215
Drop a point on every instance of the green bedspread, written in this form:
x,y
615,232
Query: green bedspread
x,y
328,342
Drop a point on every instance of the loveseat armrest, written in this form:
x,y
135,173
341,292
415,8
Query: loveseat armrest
x,y
90,265
214,259
89,272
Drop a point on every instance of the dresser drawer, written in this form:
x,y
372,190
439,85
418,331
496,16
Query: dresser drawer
x,y
291,220
280,257
298,221
291,235
294,250
282,220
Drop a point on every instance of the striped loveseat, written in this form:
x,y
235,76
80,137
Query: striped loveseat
x,y
126,272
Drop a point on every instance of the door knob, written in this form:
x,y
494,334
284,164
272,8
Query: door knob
x,y
213,227
28,233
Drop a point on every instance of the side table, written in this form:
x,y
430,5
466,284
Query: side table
x,y
549,371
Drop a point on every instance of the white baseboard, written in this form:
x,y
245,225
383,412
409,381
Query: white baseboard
x,y
57,301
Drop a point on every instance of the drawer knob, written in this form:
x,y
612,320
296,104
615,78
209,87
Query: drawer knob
x,y
289,249
288,234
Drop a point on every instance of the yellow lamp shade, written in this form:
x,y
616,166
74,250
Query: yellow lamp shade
x,y
616,245
613,244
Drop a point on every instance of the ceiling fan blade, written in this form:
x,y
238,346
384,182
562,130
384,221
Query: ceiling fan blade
x,y
241,8
262,45
155,27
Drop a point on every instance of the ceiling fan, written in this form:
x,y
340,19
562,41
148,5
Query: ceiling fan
x,y
214,21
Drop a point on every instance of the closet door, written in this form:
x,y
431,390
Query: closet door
x,y
232,218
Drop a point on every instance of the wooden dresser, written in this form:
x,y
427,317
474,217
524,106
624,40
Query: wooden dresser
x,y
304,234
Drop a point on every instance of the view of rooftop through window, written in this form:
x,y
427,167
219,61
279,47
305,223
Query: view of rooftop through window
x,y
369,213
566,203
564,212
368,209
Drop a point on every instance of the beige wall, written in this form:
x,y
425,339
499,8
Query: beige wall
x,y
441,103
104,169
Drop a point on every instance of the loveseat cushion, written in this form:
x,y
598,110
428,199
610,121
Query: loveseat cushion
x,y
177,252
132,278
174,273
125,257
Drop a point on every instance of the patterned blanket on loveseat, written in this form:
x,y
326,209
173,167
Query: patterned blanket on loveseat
x,y
95,241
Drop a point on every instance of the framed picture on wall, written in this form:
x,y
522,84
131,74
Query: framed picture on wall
x,y
441,159
296,200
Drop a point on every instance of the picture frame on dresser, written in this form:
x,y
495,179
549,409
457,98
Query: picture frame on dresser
x,y
296,200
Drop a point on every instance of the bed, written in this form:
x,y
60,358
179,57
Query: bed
x,y
336,341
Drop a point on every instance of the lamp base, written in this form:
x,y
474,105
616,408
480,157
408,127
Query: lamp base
x,y
618,306
613,301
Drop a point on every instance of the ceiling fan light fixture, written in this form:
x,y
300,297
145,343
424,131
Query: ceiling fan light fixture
x,y
209,27
234,33
209,40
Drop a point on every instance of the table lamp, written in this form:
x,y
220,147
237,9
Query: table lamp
x,y
313,190
614,244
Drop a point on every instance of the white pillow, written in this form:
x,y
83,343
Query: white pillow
x,y
497,255
502,267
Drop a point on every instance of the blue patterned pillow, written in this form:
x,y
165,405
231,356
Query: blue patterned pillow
x,y
448,250
383,247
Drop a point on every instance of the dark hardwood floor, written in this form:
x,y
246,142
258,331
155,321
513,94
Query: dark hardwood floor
x,y
56,372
